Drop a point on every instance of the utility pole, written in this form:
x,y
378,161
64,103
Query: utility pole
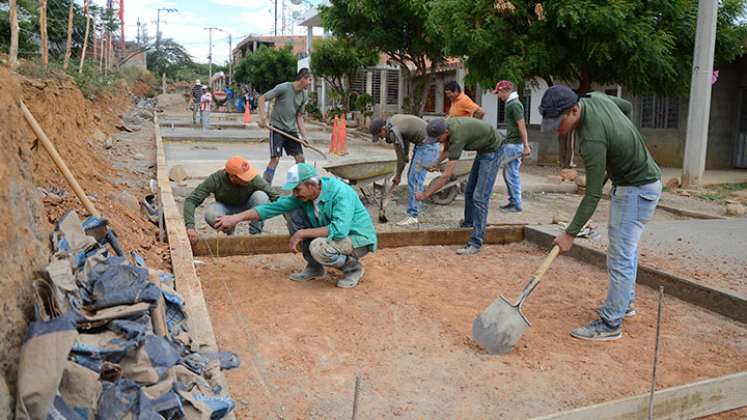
x,y
276,17
210,53
230,60
13,18
158,23
138,32
699,110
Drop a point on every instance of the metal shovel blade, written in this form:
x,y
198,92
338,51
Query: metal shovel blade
x,y
499,326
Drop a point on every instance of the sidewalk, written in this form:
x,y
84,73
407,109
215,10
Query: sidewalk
x,y
710,177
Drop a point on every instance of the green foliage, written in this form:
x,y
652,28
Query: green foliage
x,y
337,60
644,45
312,106
397,28
364,104
169,59
266,68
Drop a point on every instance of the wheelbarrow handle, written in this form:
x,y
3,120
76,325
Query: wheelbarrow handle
x,y
535,280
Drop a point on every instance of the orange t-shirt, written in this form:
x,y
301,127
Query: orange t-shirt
x,y
462,106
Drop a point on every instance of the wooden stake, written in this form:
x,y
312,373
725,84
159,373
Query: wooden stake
x,y
43,32
42,136
85,38
69,47
656,357
13,17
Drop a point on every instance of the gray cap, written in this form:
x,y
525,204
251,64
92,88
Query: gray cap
x,y
434,129
555,102
376,125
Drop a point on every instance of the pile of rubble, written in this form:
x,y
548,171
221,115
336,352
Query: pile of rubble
x,y
110,339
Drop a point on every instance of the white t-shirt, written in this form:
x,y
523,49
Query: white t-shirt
x,y
205,100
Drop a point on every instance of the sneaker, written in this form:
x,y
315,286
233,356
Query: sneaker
x,y
511,209
630,312
353,271
597,330
468,250
308,273
505,206
408,221
464,225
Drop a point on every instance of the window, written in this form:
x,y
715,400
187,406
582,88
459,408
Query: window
x,y
376,86
430,100
659,112
358,82
392,87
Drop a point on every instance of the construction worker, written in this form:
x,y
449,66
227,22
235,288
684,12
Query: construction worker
x,y
515,144
456,135
194,100
609,143
326,219
404,130
236,188
461,104
287,115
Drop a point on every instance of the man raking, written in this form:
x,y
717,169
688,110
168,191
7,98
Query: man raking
x,y
287,115
326,220
608,142
403,130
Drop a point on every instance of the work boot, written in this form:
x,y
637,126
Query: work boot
x,y
598,330
353,271
511,209
311,272
468,250
505,206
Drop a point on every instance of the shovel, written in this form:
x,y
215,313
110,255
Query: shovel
x,y
501,324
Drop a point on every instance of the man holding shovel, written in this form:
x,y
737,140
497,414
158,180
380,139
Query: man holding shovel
x,y
326,220
404,130
287,116
608,142
456,135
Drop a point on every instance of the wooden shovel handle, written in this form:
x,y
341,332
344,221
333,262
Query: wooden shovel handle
x,y
297,140
534,281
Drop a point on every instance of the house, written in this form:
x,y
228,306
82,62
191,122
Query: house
x,y
251,44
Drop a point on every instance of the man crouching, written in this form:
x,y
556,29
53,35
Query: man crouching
x,y
326,218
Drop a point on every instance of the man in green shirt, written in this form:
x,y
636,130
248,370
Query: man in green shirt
x,y
515,144
325,218
404,130
236,188
287,115
456,135
609,143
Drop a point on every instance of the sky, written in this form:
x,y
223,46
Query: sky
x,y
186,26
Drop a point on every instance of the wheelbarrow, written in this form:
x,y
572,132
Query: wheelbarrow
x,y
363,172
458,180
221,100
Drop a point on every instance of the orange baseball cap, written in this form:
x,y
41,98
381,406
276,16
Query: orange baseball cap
x,y
238,166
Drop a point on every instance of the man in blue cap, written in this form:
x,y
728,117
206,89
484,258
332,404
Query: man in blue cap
x,y
325,218
609,143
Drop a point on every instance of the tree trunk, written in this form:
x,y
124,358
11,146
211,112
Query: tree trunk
x,y
13,17
69,47
85,38
43,32
584,83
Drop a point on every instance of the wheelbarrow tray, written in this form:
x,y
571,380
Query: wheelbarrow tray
x,y
462,168
361,171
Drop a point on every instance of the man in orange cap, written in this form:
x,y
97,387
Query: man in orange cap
x,y
236,188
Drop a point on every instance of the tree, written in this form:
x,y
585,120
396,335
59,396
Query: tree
x,y
645,46
337,60
266,68
397,28
168,59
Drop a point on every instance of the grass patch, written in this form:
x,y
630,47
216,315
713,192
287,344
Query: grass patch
x,y
718,192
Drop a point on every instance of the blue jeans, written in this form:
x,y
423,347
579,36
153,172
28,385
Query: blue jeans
x,y
217,209
423,156
477,195
511,171
630,209
205,119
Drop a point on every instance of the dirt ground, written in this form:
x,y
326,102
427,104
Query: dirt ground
x,y
405,331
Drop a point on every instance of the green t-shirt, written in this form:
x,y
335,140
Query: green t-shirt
x,y
288,104
467,133
514,114
411,130
610,143
225,192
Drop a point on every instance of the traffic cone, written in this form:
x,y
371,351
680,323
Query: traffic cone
x,y
247,114
343,137
333,140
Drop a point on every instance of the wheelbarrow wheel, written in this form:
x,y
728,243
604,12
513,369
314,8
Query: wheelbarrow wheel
x,y
446,196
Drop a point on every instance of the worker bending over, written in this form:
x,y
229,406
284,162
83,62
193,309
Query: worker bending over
x,y
325,218
608,142
456,135
403,130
